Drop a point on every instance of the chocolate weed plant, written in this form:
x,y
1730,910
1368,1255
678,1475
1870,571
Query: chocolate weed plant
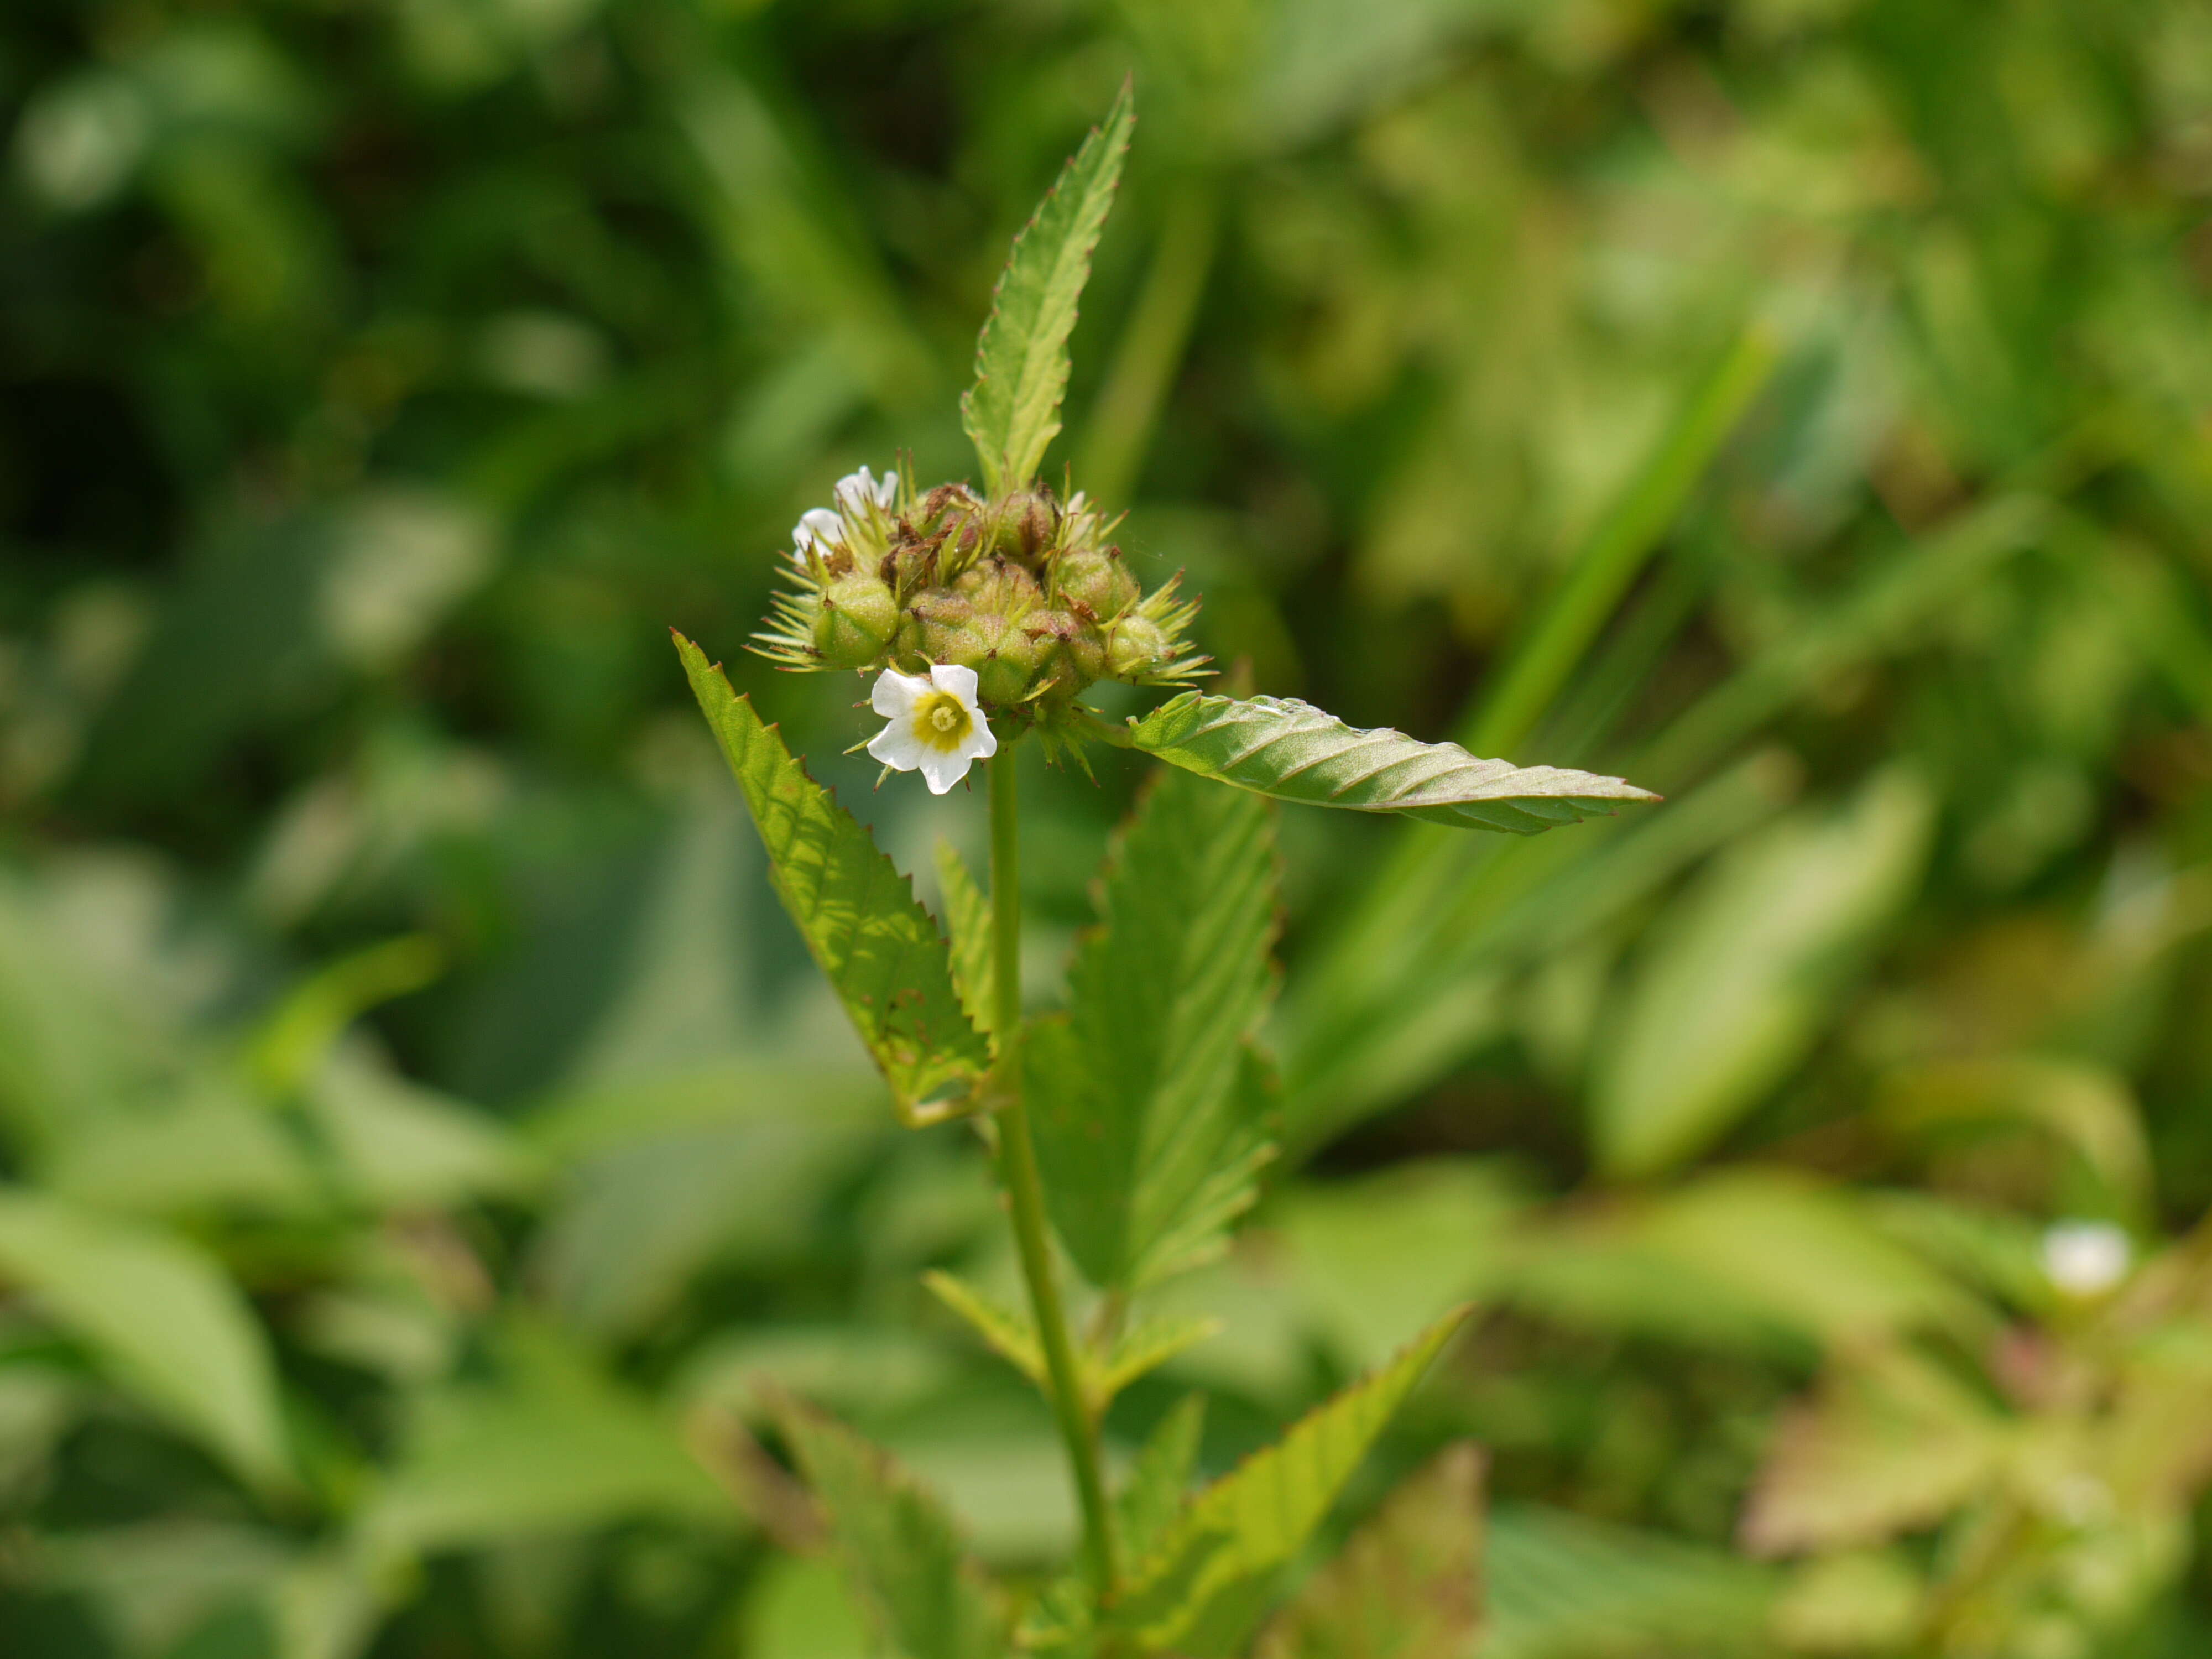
x,y
1130,1128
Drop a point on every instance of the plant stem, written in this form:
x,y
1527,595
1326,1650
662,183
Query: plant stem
x,y
1017,1173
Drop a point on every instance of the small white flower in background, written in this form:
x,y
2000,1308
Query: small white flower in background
x,y
935,724
817,523
2087,1258
856,490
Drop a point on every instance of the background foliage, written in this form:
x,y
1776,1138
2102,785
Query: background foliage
x,y
421,1130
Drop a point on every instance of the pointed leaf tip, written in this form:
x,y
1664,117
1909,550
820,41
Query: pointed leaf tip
x,y
1294,751
1013,411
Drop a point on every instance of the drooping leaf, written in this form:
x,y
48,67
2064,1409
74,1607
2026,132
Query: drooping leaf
x,y
1729,997
1149,1117
927,1599
1893,1442
1292,750
164,1318
879,947
1012,410
1407,1586
968,919
1199,1592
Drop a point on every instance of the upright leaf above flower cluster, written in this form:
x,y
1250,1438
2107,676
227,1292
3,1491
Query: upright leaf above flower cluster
x,y
1150,1109
1292,750
1013,411
857,913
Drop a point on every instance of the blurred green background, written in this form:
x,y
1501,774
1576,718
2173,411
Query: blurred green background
x,y
419,1129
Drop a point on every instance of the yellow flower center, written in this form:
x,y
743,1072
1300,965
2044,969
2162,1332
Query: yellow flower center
x,y
941,720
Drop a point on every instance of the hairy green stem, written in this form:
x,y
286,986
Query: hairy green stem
x,y
1017,1173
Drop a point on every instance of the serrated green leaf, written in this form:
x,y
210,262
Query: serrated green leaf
x,y
1292,750
968,921
1198,1592
1150,1121
1013,411
1144,1347
927,1599
1405,1587
1007,1332
858,915
1148,1505
159,1315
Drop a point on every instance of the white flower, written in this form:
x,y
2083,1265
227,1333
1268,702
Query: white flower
x,y
819,524
855,490
2085,1258
935,724
832,526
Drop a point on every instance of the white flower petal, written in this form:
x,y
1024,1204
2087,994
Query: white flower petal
x,y
981,742
893,694
941,770
960,682
857,491
823,523
897,747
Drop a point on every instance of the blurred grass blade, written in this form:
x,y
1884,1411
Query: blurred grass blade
x,y
1148,1127
876,945
1617,549
1407,1586
1292,750
968,921
1198,1592
1151,345
536,1440
927,1600
1563,1586
162,1316
1733,988
302,1030
1012,410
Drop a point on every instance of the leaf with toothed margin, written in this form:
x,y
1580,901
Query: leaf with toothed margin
x,y
924,1595
968,919
1294,751
1021,357
1206,1583
1152,1110
858,915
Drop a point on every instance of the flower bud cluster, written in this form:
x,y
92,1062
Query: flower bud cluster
x,y
1026,590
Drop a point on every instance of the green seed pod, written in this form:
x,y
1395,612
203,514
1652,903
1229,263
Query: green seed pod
x,y
1009,662
1026,525
1074,653
1097,578
944,628
1138,646
1000,586
857,621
